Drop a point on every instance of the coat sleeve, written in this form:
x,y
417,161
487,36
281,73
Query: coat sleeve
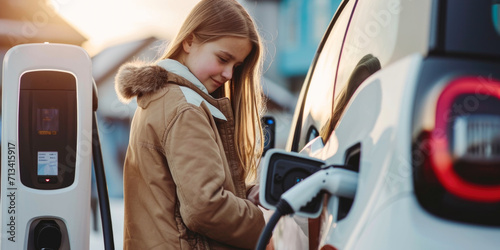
x,y
206,207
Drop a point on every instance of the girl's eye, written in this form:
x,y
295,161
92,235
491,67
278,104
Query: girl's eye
x,y
223,59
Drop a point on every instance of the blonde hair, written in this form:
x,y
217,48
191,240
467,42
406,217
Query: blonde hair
x,y
213,19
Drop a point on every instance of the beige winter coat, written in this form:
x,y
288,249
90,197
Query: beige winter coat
x,y
182,181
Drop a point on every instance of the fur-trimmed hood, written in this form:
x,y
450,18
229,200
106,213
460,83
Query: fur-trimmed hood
x,y
138,78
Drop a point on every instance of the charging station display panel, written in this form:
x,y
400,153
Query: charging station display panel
x,y
47,122
48,129
47,163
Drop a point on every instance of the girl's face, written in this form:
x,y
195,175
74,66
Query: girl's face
x,y
213,62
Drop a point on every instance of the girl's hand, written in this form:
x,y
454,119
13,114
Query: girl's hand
x,y
253,195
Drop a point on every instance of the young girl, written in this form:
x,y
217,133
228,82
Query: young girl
x,y
195,136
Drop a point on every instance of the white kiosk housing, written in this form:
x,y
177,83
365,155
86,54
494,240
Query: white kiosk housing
x,y
46,147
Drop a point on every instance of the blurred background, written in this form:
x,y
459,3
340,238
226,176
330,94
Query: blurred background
x,y
114,32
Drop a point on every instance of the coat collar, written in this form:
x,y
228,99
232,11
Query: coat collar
x,y
180,69
192,96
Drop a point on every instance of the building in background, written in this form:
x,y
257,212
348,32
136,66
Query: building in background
x,y
292,30
33,21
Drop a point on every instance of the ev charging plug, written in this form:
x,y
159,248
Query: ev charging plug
x,y
335,181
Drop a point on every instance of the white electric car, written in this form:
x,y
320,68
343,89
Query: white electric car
x,y
405,95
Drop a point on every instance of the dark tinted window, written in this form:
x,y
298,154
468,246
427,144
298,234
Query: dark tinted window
x,y
468,27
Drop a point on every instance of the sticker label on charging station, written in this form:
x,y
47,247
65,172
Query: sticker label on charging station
x,y
11,192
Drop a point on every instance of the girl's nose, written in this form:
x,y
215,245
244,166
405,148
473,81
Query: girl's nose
x,y
227,73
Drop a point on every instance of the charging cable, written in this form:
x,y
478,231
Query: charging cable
x,y
282,209
102,190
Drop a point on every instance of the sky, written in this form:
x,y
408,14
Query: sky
x,y
109,22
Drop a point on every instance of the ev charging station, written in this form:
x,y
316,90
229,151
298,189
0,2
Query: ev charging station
x,y
47,142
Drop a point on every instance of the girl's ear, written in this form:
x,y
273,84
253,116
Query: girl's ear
x,y
187,44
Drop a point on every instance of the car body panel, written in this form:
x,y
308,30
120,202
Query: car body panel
x,y
376,119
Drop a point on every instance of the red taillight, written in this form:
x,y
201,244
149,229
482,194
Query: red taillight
x,y
440,149
328,247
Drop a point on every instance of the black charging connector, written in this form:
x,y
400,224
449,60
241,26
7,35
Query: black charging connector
x,y
47,235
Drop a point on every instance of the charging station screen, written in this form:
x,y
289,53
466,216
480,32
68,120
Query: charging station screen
x,y
48,135
47,121
47,163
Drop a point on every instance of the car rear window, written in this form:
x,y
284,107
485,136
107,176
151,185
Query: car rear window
x,y
469,27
